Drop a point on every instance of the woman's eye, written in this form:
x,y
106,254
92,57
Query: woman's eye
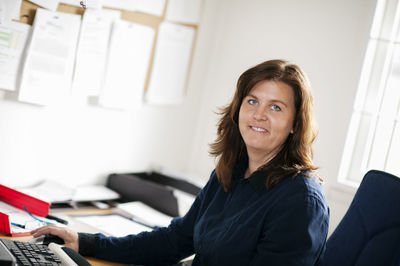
x,y
252,102
275,107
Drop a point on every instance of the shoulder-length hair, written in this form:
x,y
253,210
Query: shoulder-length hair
x,y
296,153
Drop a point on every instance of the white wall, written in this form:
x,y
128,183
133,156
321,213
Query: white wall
x,y
327,38
78,145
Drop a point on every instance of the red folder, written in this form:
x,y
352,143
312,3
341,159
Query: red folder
x,y
20,200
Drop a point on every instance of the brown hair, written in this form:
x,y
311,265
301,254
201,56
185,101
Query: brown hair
x,y
296,154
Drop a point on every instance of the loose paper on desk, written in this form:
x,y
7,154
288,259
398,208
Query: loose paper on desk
x,y
184,11
91,58
47,72
128,62
114,225
9,9
142,212
13,36
171,64
95,4
153,7
54,192
23,219
49,4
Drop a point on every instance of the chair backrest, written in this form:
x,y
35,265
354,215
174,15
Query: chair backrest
x,y
369,233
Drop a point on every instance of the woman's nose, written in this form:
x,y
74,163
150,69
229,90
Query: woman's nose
x,y
260,114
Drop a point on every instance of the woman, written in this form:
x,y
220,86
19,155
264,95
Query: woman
x,y
262,205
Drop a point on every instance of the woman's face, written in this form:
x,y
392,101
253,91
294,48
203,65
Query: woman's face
x,y
266,117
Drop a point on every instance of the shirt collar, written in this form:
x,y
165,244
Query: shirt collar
x,y
257,179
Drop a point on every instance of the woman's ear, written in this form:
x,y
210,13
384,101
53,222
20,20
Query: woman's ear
x,y
291,131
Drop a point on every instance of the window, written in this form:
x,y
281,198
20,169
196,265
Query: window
x,y
373,138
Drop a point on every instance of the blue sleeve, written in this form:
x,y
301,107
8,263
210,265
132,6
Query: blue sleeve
x,y
162,246
295,234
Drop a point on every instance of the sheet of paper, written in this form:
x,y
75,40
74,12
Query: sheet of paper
x,y
154,7
47,72
9,9
145,213
171,64
93,193
96,4
128,62
48,4
91,58
52,191
13,38
49,191
184,11
114,225
21,217
185,201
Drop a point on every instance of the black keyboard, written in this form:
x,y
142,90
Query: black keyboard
x,y
29,254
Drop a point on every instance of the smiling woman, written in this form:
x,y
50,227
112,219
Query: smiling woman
x,y
274,97
265,121
261,206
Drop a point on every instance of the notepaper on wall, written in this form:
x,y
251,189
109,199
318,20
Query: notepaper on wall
x,y
9,9
47,72
171,64
128,61
153,7
91,58
49,4
96,4
184,11
13,36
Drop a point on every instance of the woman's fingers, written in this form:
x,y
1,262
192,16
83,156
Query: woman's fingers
x,y
69,236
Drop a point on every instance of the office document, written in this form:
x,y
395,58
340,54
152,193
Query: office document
x,y
9,9
48,4
47,72
13,38
184,11
54,192
95,4
153,7
91,58
171,64
142,212
129,57
113,225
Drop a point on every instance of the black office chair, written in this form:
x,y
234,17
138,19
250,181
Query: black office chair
x,y
369,233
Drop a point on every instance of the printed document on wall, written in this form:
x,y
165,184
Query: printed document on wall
x,y
171,64
96,4
47,72
49,4
128,61
153,7
13,37
9,9
184,11
91,58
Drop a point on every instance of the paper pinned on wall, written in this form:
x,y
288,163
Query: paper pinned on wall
x,y
128,61
92,51
48,4
13,37
153,7
96,4
171,64
47,72
9,9
184,11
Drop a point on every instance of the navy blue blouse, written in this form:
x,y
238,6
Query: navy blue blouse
x,y
250,225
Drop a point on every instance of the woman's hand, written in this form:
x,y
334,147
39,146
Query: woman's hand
x,y
69,236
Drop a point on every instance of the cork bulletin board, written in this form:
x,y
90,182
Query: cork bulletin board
x,y
28,10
